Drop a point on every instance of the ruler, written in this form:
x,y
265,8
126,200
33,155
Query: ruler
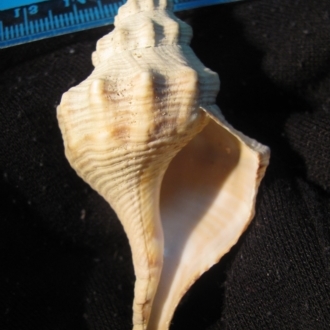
x,y
23,21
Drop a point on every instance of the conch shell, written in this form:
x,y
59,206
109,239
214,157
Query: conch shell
x,y
144,131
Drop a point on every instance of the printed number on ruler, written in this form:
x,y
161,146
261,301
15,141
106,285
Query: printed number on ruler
x,y
27,20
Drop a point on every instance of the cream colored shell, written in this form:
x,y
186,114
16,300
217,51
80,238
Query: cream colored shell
x,y
144,131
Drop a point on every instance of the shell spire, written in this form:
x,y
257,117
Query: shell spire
x,y
144,131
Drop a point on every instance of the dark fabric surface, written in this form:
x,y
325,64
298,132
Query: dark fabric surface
x,y
65,262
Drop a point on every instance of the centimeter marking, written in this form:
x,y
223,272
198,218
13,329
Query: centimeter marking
x,y
23,21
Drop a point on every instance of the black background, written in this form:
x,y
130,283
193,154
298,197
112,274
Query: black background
x,y
65,262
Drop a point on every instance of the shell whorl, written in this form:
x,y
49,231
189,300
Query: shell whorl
x,y
139,25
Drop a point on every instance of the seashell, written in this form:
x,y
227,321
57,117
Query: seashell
x,y
144,131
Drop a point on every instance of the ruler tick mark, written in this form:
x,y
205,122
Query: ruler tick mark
x,y
96,13
26,21
61,20
1,31
56,22
106,10
46,23
76,13
71,18
91,14
31,27
21,28
41,24
81,15
51,19
100,8
66,18
11,32
86,15
112,9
